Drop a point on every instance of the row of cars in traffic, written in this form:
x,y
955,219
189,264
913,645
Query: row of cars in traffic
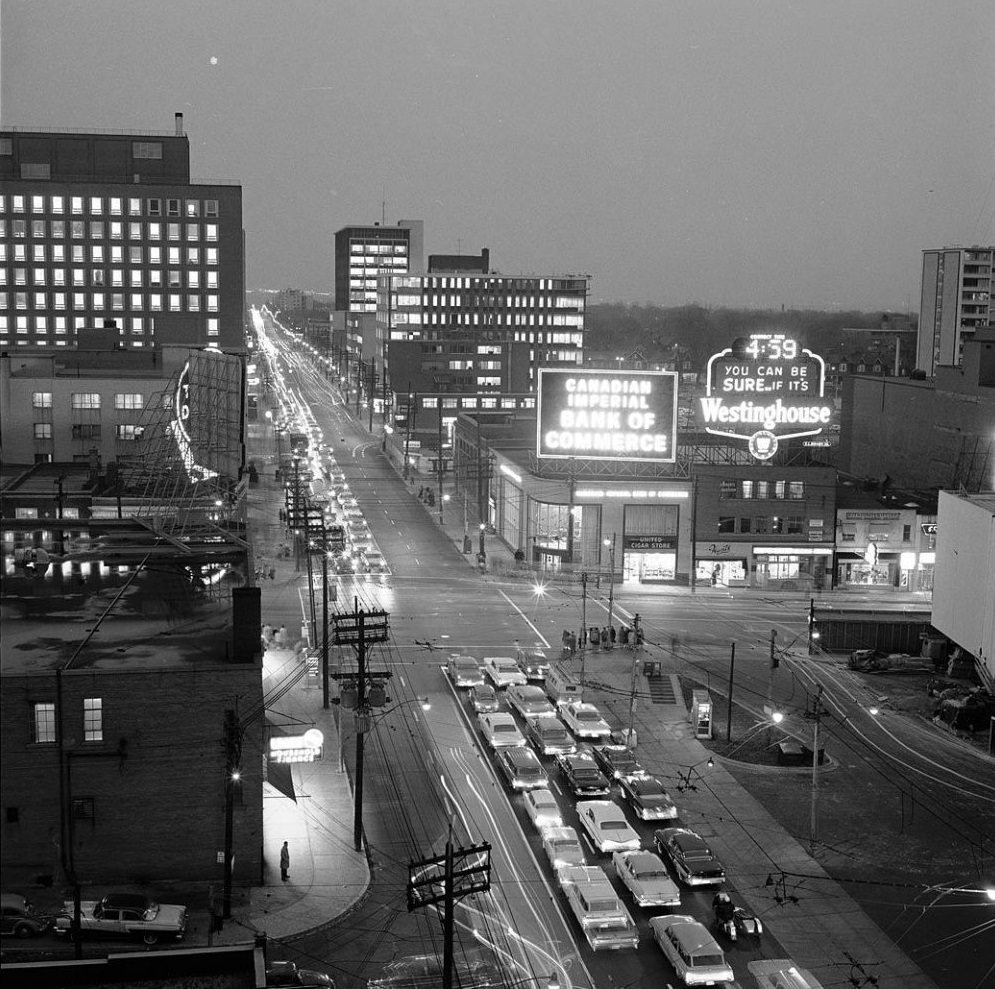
x,y
540,719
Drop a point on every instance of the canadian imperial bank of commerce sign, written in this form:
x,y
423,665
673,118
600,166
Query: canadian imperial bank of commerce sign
x,y
607,415
763,390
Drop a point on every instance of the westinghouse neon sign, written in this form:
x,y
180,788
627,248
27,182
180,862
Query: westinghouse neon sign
x,y
765,390
178,427
607,415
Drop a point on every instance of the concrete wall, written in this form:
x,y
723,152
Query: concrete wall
x,y
964,592
156,779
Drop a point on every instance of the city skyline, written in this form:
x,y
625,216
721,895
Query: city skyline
x,y
817,151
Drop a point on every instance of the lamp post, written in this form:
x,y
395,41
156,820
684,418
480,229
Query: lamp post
x,y
481,554
685,782
610,543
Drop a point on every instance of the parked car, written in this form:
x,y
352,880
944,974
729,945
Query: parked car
x,y
20,918
534,663
647,879
484,698
693,861
648,798
549,735
288,974
581,774
563,849
126,914
503,671
528,700
521,768
499,729
585,720
606,825
464,671
472,970
694,953
601,914
617,762
543,810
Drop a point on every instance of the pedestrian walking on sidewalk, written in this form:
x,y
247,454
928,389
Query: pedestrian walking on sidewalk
x,y
284,862
281,636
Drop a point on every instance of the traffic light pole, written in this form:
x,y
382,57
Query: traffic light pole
x,y
357,828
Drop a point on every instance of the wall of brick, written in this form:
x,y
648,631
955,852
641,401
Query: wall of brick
x,y
156,779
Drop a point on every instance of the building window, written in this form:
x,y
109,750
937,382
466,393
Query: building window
x,y
795,525
36,170
96,205
83,808
727,489
93,719
146,149
213,328
744,524
134,206
172,231
43,430
210,207
211,232
154,209
44,723
174,303
193,231
172,207
58,205
86,400
727,523
86,431
796,490
128,431
41,400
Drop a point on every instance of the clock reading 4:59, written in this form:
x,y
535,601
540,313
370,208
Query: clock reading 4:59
x,y
765,348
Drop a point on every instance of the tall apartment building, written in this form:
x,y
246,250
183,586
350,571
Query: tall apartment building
x,y
98,227
955,301
363,253
466,316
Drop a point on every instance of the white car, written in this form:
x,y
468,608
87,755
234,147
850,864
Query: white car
x,y
503,671
694,953
585,720
374,561
543,810
500,729
606,824
529,701
601,914
563,849
648,798
647,879
464,671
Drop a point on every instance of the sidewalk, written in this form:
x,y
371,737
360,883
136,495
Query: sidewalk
x,y
327,875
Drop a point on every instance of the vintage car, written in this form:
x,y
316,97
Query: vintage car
x,y
126,915
601,914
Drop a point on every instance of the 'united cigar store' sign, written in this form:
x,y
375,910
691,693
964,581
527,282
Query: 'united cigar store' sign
x,y
607,415
764,390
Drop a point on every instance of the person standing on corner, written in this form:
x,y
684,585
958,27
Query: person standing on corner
x,y
284,862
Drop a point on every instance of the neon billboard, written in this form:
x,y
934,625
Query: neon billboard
x,y
607,415
764,390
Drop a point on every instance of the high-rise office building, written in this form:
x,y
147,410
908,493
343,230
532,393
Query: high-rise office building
x,y
955,301
101,228
363,253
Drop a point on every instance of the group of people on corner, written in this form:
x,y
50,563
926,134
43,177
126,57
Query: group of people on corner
x,y
602,638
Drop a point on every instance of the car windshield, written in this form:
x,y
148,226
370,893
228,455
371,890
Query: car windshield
x,y
583,773
505,728
466,664
587,715
614,826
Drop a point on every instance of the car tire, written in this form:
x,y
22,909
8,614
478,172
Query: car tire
x,y
23,931
150,938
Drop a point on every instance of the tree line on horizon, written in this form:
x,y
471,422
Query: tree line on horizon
x,y
699,331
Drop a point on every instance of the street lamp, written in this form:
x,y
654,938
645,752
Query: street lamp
x,y
481,554
684,779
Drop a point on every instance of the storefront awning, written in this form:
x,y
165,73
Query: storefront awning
x,y
845,555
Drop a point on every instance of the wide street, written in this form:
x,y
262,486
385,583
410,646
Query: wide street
x,y
425,774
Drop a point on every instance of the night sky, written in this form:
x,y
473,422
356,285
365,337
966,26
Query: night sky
x,y
728,153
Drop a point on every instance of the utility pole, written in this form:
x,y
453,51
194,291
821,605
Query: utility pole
x,y
369,396
583,623
611,583
732,668
460,872
357,629
571,488
632,701
407,434
694,521
816,717
324,629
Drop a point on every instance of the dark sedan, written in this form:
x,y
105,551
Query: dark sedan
x,y
648,798
582,775
617,762
693,861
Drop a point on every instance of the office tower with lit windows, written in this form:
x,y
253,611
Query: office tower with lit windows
x,y
363,253
102,228
955,302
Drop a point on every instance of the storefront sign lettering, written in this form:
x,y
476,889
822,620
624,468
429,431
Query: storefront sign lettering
x,y
651,543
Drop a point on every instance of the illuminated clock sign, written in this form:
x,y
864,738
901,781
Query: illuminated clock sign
x,y
607,415
763,390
